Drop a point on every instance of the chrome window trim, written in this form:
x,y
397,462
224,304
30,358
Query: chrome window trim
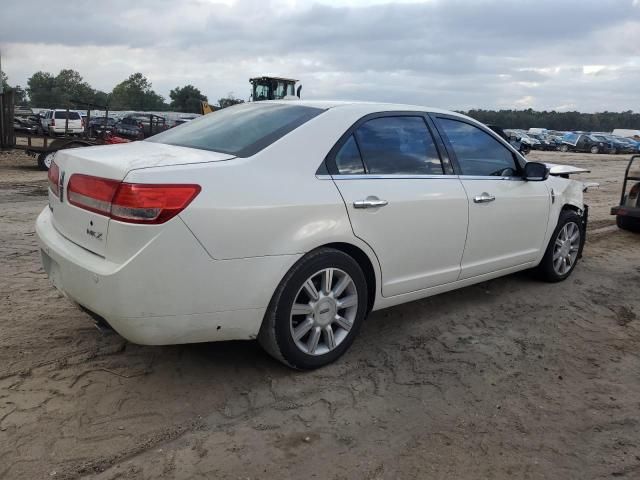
x,y
489,177
369,176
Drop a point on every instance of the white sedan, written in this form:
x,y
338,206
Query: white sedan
x,y
290,221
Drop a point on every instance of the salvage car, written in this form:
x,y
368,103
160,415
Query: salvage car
x,y
98,125
290,222
583,142
25,126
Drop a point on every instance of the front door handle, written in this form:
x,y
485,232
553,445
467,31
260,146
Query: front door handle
x,y
484,198
370,202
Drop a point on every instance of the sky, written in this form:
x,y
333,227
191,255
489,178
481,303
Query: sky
x,y
456,54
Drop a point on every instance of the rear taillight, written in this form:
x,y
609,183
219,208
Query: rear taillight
x,y
54,178
129,202
53,122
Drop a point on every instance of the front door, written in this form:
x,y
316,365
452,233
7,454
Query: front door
x,y
507,215
403,201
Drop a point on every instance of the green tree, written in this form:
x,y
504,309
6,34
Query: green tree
x,y
187,99
69,86
228,101
136,93
20,96
40,88
3,80
101,98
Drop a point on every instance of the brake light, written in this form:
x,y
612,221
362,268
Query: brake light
x,y
53,122
54,178
130,202
92,193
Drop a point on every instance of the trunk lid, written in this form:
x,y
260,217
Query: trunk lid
x,y
89,229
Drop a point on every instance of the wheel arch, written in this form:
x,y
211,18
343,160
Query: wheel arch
x,y
366,265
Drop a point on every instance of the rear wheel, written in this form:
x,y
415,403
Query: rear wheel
x,y
595,149
316,311
632,224
564,248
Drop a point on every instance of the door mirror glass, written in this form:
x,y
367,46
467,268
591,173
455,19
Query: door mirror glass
x,y
535,172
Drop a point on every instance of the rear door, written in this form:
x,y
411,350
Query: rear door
x,y
402,199
507,215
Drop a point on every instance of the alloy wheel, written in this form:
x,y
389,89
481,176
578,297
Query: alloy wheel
x,y
566,247
323,311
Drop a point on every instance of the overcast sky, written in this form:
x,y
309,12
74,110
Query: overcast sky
x,y
456,54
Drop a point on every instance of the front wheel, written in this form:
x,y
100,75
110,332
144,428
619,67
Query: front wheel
x,y
595,149
564,249
564,148
316,311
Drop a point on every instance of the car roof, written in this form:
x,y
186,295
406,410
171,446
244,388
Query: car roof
x,y
365,107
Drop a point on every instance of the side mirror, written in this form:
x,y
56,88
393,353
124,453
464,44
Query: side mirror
x,y
535,172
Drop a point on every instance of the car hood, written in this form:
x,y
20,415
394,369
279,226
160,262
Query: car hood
x,y
556,169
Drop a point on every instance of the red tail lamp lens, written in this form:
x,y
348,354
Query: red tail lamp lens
x,y
130,202
54,178
147,203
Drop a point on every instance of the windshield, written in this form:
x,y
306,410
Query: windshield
x,y
241,130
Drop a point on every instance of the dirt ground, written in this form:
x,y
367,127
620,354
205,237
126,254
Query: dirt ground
x,y
507,379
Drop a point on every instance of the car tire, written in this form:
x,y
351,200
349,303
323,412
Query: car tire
x,y
631,224
563,249
594,149
44,160
564,148
323,329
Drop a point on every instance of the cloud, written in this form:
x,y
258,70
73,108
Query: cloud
x,y
454,54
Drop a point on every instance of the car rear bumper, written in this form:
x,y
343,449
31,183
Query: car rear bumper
x,y
169,292
626,211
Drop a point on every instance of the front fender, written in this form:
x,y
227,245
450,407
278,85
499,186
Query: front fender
x,y
564,193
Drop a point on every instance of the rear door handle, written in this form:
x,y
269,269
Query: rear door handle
x,y
370,202
484,198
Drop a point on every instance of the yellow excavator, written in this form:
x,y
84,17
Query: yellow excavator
x,y
266,88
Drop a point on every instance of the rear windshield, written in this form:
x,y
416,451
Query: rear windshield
x,y
241,130
72,115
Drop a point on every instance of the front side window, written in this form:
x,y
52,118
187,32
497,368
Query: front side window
x,y
398,146
478,153
241,130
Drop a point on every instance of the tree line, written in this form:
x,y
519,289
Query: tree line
x,y
68,88
563,121
44,90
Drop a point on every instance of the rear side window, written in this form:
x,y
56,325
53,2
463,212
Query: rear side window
x,y
63,115
478,153
241,130
398,146
348,160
